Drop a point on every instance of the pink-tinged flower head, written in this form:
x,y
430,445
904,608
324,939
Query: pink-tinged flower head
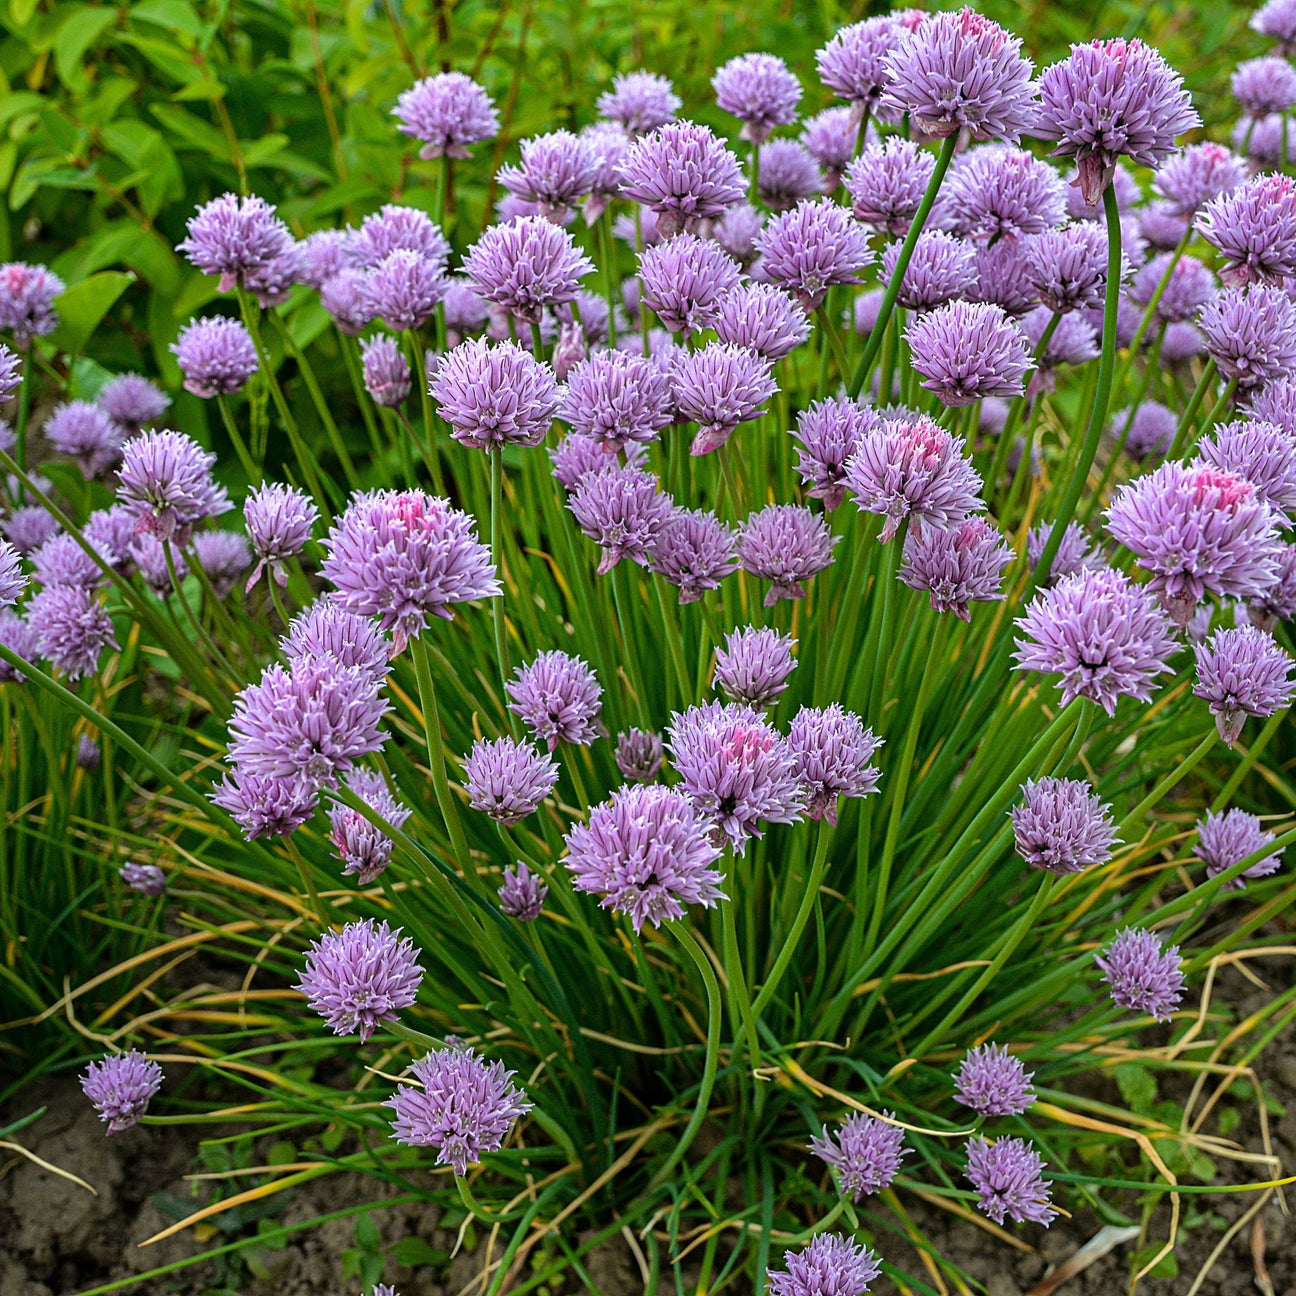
x,y
993,1082
864,1151
785,544
694,551
736,768
71,629
832,753
120,1087
960,70
405,556
754,665
558,698
1224,840
832,1265
386,371
495,394
403,289
223,557
12,579
394,228
958,566
639,101
789,172
166,484
648,852
365,849
1198,531
345,296
147,879
1196,174
132,402
522,893
1008,1176
719,387
853,63
236,238
360,977
1190,286
526,265
82,430
1278,602
1265,85
216,356
886,183
27,294
326,630
464,1107
639,755
1000,192
622,511
1111,99
507,779
617,399
1068,267
1142,975
941,268
829,431
1104,635
1251,333
1254,229
684,279
447,113
1063,826
761,318
556,171
829,137
265,806
684,173
813,246
760,91
966,351
1263,453
1242,672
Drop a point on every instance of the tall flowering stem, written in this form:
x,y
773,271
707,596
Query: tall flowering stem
x,y
1150,310
871,347
1004,445
1190,410
496,542
427,443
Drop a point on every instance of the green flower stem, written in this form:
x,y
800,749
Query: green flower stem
x,y
537,342
1134,820
740,1004
674,649
1150,309
1212,418
427,443
834,343
629,639
316,394
1190,413
1265,736
24,415
1004,445
355,372
607,254
497,553
200,634
865,365
240,446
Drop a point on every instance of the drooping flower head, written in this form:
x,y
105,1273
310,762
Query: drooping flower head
x,y
886,183
762,318
1251,334
71,627
718,387
622,511
558,698
810,248
120,1087
966,351
957,566
1063,826
828,432
760,91
684,173
360,977
495,394
864,1151
1224,840
832,753
831,1265
1143,976
940,268
1254,229
993,1082
386,371
27,294
789,172
216,355
694,551
526,265
754,665
365,848
132,401
1000,192
237,238
639,101
1008,1176
785,544
556,171
447,112
507,779
1264,85
1242,672
684,279
522,893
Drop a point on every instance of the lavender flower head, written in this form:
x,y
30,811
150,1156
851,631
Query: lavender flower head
x,y
20,639
694,551
913,468
71,629
831,1265
853,63
1263,453
789,172
1073,553
1000,192
405,556
961,71
1189,287
1151,432
84,431
1224,840
447,113
366,849
648,853
966,351
495,394
1142,975
829,431
265,806
617,399
864,1151
1276,19
719,387
639,755
526,265
1242,672
886,183
27,294
464,1108
684,174
12,579
88,754
810,248
736,230
558,698
1264,85
1104,635
1251,333
1192,177
10,374
386,371
1003,276
120,1087
59,561
829,137
761,318
239,239
1161,227
29,527
522,894
403,289
132,402
216,355
1254,229
345,296
736,768
1275,403
785,544
754,665
1063,826
639,101
166,484
508,780
684,278
1278,603
1068,267
832,753
223,557
760,91
325,253
622,511
394,228
941,268
960,565
1008,1176
993,1082
1111,99
556,170
360,977
147,879
326,630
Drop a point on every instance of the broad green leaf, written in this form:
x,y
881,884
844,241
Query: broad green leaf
x,y
256,152
206,90
82,306
173,15
21,11
192,130
80,30
168,59
19,102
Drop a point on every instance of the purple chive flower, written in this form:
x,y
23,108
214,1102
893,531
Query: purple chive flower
x,y
829,137
831,753
1190,286
10,374
968,350
1276,19
736,768
522,894
88,754
1242,672
235,238
1003,277
1192,177
912,468
1275,402
942,267
1072,555
761,318
27,294
394,228
786,545
1111,99
760,91
325,253
1068,267
20,639
621,510
1161,227
508,780
736,230
59,561
12,579
1224,840
1142,975
639,101
147,879
309,723
447,113
465,312
993,1082
1263,453
148,555
29,527
1001,192
526,265
558,698
556,170
832,1265
120,1087
495,394
576,455
1267,141
1198,531
464,1108
719,387
403,289
1008,1176
648,852
216,356
864,1151
223,557
1278,603
71,628
754,665
616,399
684,173
684,279
1104,635
789,172
346,298
84,431
405,556
264,806
1061,825
1152,430
1251,333
386,371
132,402
694,551
279,520
639,755
962,71
1181,342
360,977
886,183
853,63
167,486
829,431
958,566
1074,342
608,143
1264,85
1254,229
810,248
366,849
